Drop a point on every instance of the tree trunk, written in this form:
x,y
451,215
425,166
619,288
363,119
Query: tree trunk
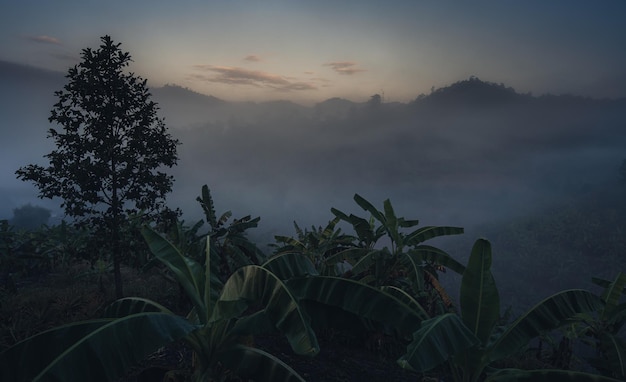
x,y
117,274
115,206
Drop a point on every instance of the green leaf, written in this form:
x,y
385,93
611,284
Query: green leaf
x,y
402,222
367,206
360,299
437,340
391,223
415,271
368,260
405,298
480,301
289,265
206,202
254,284
420,235
612,295
547,375
248,362
187,271
132,305
98,350
341,215
549,314
435,255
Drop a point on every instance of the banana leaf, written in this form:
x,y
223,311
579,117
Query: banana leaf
x,y
290,264
479,298
437,340
256,285
414,266
405,298
362,227
258,365
131,305
391,223
357,298
96,350
612,295
189,273
367,206
551,313
547,375
420,235
435,255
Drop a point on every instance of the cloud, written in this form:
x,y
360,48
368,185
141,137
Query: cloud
x,y
253,58
345,67
232,75
45,39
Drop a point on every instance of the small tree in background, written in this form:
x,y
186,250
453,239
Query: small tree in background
x,y
30,217
110,150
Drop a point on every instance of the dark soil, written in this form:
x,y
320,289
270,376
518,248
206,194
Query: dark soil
x,y
340,359
369,359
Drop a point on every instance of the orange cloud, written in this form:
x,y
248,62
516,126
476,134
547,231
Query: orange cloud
x,y
239,76
345,67
45,39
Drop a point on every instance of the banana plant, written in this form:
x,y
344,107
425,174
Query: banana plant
x,y
406,263
343,303
131,328
234,248
602,330
480,310
319,245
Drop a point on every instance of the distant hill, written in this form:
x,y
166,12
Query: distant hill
x,y
473,92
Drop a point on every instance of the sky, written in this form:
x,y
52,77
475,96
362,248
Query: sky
x,y
309,51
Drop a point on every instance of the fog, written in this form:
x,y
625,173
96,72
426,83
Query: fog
x,y
470,154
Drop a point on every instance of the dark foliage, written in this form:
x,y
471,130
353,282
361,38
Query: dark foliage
x,y
110,149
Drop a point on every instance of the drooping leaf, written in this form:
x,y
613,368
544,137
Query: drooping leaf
x,y
256,285
479,298
24,360
98,350
422,234
255,363
402,222
187,271
405,298
289,265
413,264
549,314
435,255
360,299
437,340
368,260
132,305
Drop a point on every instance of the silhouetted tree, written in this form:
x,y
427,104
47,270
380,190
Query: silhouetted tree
x,y
30,217
375,101
110,151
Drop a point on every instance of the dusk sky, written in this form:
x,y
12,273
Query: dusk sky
x,y
308,51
